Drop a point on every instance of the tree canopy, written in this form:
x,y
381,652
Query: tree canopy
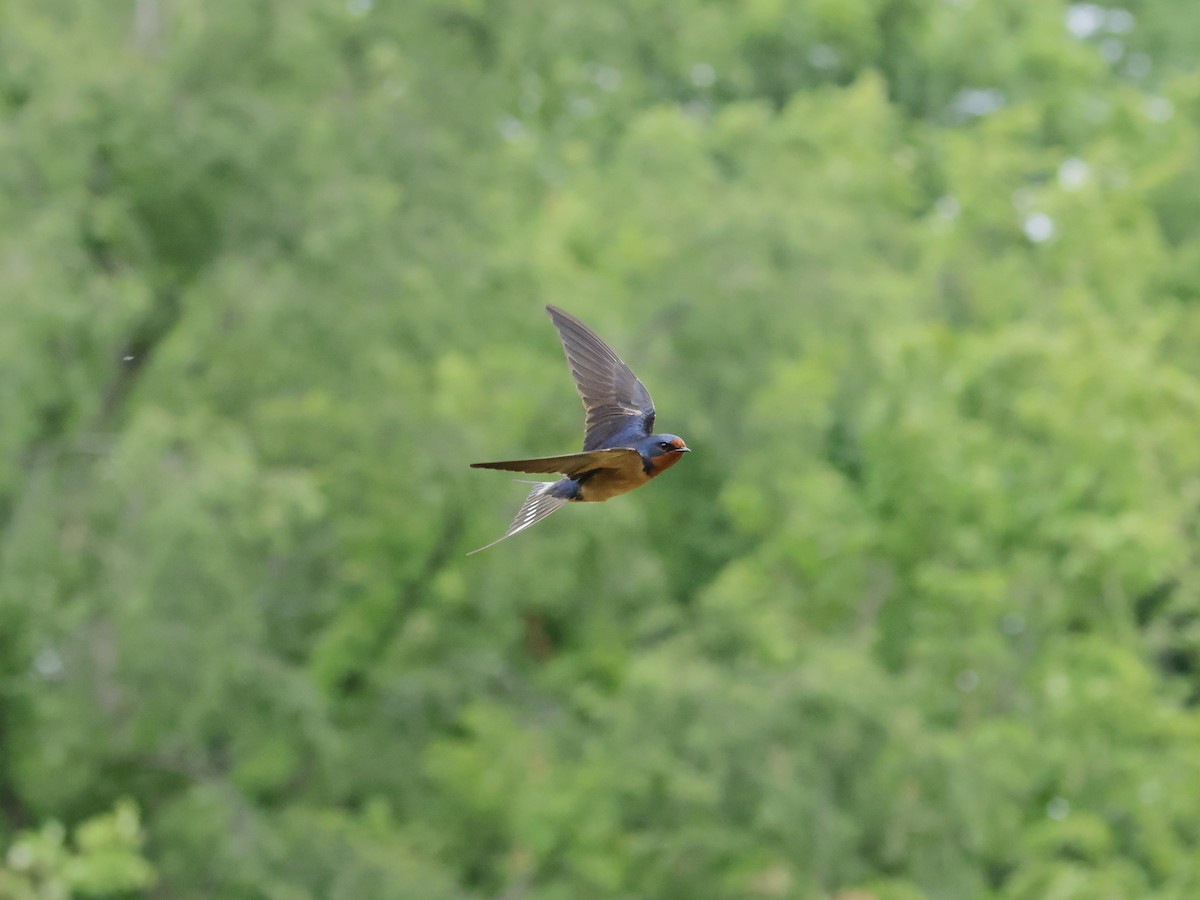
x,y
918,280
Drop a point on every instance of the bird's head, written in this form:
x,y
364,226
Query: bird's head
x,y
661,451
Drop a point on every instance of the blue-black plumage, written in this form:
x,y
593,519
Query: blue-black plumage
x,y
620,452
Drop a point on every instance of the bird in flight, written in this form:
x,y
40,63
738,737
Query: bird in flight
x,y
619,450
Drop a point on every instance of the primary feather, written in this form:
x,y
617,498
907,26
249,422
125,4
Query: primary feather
x,y
613,397
570,464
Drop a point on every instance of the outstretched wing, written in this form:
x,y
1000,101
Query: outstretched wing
x,y
613,398
536,507
570,464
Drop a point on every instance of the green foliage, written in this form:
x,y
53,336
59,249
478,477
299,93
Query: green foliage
x,y
917,280
105,861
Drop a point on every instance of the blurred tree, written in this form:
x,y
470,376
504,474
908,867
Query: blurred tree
x,y
106,860
918,280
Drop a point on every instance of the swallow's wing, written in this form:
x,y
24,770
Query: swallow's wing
x,y
612,395
571,464
536,507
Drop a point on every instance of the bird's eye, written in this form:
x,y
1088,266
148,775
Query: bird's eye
x,y
664,445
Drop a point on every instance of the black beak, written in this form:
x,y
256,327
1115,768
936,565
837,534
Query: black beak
x,y
683,449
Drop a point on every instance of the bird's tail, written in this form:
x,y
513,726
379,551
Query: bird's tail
x,y
542,501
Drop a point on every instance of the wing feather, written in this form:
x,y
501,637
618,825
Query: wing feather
x,y
613,397
570,465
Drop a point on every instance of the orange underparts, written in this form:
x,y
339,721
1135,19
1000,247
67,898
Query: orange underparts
x,y
663,462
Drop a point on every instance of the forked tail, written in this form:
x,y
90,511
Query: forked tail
x,y
542,501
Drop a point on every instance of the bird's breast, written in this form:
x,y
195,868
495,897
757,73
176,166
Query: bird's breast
x,y
662,462
606,483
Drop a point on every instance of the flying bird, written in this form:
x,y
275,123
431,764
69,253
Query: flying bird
x,y
620,452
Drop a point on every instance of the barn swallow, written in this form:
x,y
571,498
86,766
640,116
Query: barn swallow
x,y
619,450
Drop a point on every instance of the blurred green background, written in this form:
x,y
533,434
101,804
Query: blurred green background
x,y
919,280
